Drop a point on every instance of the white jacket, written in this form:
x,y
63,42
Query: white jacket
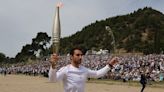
x,y
74,78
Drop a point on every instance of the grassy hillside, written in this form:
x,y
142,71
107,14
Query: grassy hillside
x,y
140,31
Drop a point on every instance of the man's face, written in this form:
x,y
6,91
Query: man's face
x,y
77,56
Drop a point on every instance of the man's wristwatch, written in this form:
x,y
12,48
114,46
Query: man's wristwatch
x,y
111,66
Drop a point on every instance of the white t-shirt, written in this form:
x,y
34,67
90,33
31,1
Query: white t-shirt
x,y
74,78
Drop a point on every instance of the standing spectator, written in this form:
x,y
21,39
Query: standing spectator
x,y
143,81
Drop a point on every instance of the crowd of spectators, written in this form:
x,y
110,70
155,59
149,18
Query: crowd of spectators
x,y
129,67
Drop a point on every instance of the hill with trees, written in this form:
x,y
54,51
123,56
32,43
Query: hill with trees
x,y
140,31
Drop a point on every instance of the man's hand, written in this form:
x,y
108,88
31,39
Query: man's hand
x,y
113,61
53,60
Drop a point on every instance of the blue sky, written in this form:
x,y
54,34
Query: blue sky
x,y
21,20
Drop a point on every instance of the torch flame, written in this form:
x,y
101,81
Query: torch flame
x,y
59,4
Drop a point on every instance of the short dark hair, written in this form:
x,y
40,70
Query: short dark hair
x,y
76,48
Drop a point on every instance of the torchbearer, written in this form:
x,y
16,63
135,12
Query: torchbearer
x,y
74,75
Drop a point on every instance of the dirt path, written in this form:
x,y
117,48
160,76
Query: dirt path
x,y
21,83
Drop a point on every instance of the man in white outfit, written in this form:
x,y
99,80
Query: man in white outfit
x,y
74,75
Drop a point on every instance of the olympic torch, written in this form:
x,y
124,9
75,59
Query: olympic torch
x,y
56,31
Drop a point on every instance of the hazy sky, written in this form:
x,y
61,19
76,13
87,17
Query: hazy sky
x,y
21,20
